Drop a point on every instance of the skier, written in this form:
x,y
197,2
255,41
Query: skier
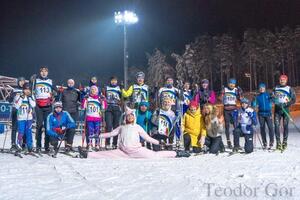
x,y
70,99
43,90
176,97
187,96
86,91
129,144
163,121
193,128
214,123
94,110
138,92
113,112
263,101
245,120
204,94
58,123
144,120
24,104
14,118
230,96
284,97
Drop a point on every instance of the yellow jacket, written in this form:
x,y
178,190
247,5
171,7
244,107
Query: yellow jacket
x,y
127,93
193,124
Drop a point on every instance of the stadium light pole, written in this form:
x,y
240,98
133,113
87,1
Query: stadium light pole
x,y
125,18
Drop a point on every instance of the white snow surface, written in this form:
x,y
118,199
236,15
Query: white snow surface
x,y
254,176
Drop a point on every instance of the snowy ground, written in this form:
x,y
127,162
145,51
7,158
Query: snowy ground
x,y
256,176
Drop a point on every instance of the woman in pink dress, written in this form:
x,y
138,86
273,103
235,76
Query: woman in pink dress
x,y
129,143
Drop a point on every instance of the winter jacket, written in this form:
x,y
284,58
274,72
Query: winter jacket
x,y
264,103
284,96
193,124
70,99
216,128
205,96
245,119
56,121
144,120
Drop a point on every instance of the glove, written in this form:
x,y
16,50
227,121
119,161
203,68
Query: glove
x,y
162,143
59,131
61,90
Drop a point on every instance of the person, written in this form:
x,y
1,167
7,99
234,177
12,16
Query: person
x,y
85,91
94,111
230,96
129,144
113,112
43,88
245,120
214,123
143,116
187,96
138,92
176,97
24,104
58,124
163,121
193,128
14,113
284,96
70,99
204,94
263,101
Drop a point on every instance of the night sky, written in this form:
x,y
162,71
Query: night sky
x,y
78,38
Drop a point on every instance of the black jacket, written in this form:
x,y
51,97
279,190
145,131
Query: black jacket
x,y
70,99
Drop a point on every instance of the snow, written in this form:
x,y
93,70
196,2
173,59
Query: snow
x,y
179,178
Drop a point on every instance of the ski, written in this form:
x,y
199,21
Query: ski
x,y
31,154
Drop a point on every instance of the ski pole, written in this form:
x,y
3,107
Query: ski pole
x,y
61,140
290,118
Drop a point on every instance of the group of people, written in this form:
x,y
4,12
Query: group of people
x,y
140,122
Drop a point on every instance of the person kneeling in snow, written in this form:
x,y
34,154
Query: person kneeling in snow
x,y
129,143
57,123
193,128
245,119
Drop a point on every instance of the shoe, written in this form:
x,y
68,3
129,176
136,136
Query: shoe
x,y
229,145
284,145
278,146
13,147
181,153
38,150
235,149
82,153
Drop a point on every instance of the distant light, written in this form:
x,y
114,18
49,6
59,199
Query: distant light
x,y
126,17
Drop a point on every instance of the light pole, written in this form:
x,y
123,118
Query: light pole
x,y
125,18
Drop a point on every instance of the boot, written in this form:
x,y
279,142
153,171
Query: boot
x,y
13,147
229,145
278,146
284,145
235,149
82,153
181,153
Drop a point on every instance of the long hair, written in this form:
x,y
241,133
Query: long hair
x,y
209,116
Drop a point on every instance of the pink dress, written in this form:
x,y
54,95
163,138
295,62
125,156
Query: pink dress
x,y
130,146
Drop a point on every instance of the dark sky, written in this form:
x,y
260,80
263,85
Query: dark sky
x,y
78,38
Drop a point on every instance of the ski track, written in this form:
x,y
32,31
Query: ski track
x,y
69,178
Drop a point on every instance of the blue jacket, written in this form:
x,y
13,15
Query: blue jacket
x,y
264,103
245,119
58,120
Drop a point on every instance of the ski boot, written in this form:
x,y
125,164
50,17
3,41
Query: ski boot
x,y
82,153
278,146
270,146
180,153
229,145
13,148
284,145
264,146
235,149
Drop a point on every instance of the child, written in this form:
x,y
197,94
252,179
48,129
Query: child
x,y
163,121
93,106
245,119
193,128
25,103
144,120
264,103
214,123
